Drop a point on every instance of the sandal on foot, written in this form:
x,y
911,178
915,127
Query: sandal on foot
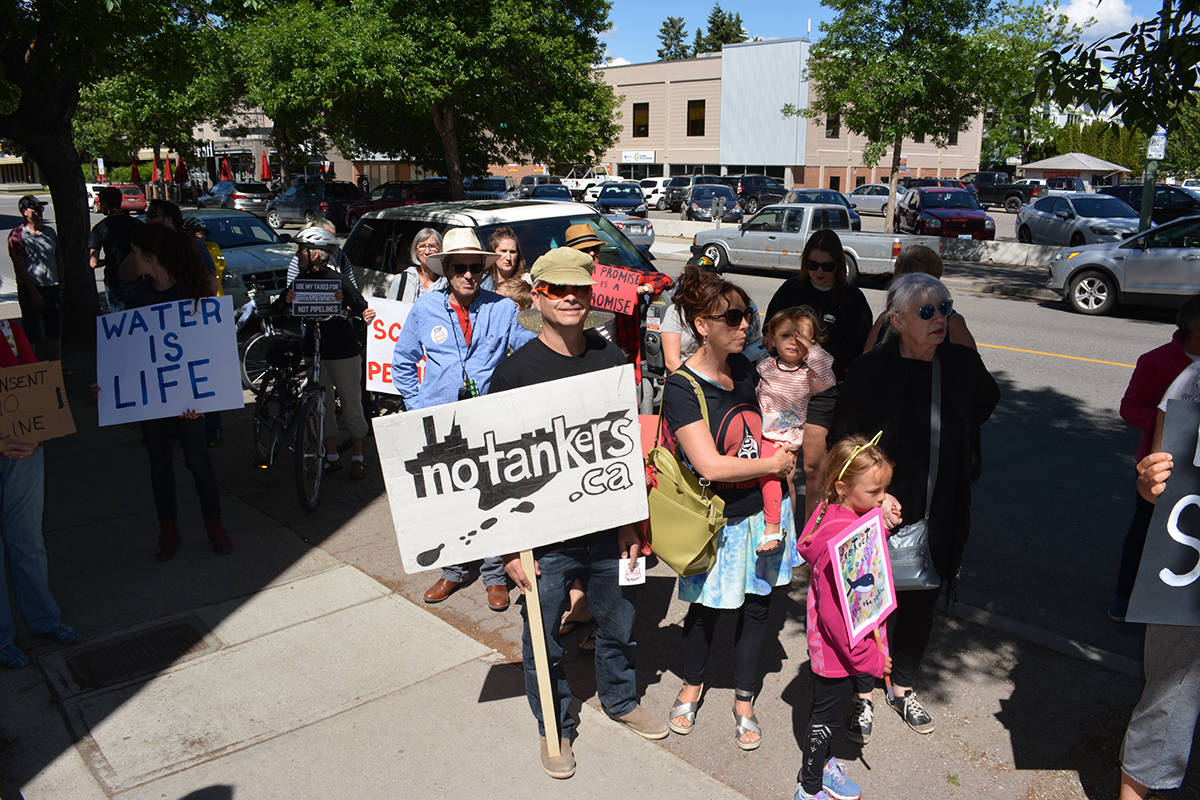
x,y
773,543
746,724
685,710
569,626
589,642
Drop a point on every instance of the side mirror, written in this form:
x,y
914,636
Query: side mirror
x,y
285,237
853,205
1064,214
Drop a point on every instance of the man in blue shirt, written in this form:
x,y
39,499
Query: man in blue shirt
x,y
463,332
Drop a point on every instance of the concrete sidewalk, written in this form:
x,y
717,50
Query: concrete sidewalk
x,y
304,665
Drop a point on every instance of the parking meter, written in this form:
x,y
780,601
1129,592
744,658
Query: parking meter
x,y
718,209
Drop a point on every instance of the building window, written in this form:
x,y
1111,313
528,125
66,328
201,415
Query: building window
x,y
954,139
835,182
859,180
695,118
919,139
833,126
641,120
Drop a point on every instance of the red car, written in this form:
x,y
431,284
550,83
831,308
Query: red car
x,y
399,193
132,197
943,211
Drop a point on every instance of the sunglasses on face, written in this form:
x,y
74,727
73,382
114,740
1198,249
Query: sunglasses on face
x,y
733,316
926,312
557,291
462,269
822,266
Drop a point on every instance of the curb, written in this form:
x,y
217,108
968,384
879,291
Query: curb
x,y
1018,290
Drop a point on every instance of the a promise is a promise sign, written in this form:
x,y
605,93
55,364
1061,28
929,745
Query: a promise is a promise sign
x,y
513,470
163,359
382,336
1167,590
33,405
615,289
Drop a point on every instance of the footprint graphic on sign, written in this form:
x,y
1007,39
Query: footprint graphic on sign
x,y
430,556
466,539
489,522
523,508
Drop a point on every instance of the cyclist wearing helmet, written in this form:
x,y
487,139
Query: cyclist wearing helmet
x,y
337,259
341,367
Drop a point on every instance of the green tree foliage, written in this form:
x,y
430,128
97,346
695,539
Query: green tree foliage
x,y
672,35
897,69
1183,145
1010,54
698,41
724,27
1114,143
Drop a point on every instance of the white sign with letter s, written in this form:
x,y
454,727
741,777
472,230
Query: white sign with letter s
x,y
163,359
382,334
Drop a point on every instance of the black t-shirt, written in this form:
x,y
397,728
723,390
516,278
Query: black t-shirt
x,y
734,419
534,362
111,238
844,313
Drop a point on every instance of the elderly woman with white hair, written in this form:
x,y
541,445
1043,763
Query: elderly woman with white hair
x,y
892,389
418,278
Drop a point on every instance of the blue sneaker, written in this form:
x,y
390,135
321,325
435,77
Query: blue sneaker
x,y
836,784
62,634
12,657
803,795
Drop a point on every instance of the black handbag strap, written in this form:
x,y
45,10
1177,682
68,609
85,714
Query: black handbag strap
x,y
935,430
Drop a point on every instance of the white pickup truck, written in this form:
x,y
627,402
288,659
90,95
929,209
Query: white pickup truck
x,y
580,180
774,238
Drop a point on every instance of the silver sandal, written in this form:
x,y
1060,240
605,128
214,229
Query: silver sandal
x,y
746,724
685,710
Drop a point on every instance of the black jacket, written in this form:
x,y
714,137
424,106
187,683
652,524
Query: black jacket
x,y
339,338
844,314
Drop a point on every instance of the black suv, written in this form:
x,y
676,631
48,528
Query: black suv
x,y
756,191
306,201
679,186
1170,202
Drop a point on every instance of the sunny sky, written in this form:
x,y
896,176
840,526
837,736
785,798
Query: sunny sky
x,y
634,35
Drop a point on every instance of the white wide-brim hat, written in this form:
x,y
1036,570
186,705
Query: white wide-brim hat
x,y
463,242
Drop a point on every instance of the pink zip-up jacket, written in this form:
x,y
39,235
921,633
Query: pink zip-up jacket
x,y
829,651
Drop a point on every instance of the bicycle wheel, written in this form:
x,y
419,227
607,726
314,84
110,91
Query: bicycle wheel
x,y
310,450
254,359
266,423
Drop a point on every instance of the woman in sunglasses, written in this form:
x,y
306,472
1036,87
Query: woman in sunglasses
x,y
725,450
891,388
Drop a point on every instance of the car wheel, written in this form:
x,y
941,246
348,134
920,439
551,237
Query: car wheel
x,y
273,219
1092,293
751,206
852,273
1077,239
661,205
717,254
1012,204
683,214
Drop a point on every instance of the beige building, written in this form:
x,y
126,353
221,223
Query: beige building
x,y
723,113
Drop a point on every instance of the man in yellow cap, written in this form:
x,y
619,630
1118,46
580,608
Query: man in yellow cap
x,y
562,294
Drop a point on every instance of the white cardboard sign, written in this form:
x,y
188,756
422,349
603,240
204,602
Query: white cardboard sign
x,y
513,470
163,359
382,335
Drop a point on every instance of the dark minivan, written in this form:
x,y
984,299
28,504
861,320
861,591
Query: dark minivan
x,y
1170,202
678,188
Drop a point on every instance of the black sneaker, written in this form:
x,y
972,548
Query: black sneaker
x,y
913,713
862,715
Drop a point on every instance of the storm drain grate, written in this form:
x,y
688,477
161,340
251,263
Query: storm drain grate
x,y
143,653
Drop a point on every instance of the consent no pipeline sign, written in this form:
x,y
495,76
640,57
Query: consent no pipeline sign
x,y
163,359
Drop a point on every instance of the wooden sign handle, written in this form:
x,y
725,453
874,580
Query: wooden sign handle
x,y
887,679
541,660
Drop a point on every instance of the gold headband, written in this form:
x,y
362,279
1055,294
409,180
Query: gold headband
x,y
874,441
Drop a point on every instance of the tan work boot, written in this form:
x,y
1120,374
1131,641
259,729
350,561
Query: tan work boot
x,y
643,723
561,766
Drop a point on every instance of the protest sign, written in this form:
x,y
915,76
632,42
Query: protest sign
x,y
33,404
514,470
864,575
615,289
1167,590
163,359
381,343
315,297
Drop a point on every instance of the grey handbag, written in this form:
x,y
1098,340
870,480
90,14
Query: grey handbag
x,y
908,548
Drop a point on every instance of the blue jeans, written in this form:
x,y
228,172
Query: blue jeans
x,y
22,487
594,560
490,569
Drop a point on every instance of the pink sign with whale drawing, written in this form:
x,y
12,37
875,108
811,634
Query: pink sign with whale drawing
x,y
864,575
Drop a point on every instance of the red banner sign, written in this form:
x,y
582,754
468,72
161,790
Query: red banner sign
x,y
615,289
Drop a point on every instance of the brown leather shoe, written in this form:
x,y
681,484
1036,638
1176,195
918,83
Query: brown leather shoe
x,y
497,598
440,590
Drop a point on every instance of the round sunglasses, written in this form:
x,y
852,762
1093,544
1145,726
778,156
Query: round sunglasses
x,y
926,312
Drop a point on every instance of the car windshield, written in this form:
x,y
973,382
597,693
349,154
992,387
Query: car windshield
x,y
130,190
709,192
624,191
820,196
681,180
238,231
488,185
552,190
949,198
252,188
1103,206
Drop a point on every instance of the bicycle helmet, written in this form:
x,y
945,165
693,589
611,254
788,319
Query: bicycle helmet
x,y
317,239
194,225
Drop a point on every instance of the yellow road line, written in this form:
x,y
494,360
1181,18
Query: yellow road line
x,y
1056,355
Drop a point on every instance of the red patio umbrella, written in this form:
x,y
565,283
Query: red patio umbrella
x,y
154,172
226,173
181,175
134,175
264,169
168,177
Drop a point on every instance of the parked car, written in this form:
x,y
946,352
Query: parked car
x,y
756,191
132,197
871,198
1076,218
530,182
1155,267
621,198
252,197
551,191
1032,182
951,183
775,237
638,230
307,201
1192,182
492,187
254,254
698,203
940,211
800,195
679,186
93,195
582,180
655,190
995,189
1067,183
1170,202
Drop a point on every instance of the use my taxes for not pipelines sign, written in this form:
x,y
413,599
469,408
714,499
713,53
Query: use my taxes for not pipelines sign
x,y
316,297
1167,590
513,470
615,289
163,359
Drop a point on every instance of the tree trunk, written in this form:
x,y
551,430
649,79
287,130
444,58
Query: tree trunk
x,y
889,215
283,146
443,122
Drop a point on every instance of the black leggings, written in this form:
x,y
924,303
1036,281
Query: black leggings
x,y
830,697
748,641
160,436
